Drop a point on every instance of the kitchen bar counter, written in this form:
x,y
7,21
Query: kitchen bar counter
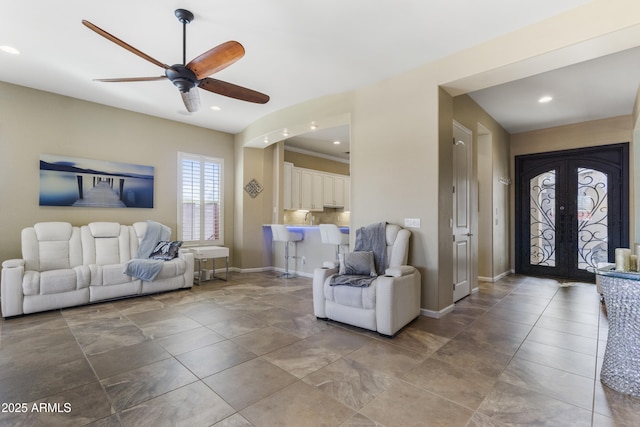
x,y
311,252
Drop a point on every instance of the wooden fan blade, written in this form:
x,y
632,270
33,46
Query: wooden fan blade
x,y
191,100
132,79
125,45
216,59
233,91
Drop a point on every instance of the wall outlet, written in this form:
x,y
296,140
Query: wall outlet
x,y
412,222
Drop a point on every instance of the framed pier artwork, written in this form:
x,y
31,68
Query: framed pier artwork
x,y
72,181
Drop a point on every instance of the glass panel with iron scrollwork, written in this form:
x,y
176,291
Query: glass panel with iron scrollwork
x,y
542,220
592,218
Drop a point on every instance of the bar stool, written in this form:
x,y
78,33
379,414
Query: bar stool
x,y
281,234
330,234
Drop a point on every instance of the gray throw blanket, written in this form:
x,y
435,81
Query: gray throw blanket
x,y
371,238
351,280
142,267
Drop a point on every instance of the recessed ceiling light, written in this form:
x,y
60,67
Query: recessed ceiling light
x,y
266,139
285,133
9,49
215,108
336,142
545,99
313,126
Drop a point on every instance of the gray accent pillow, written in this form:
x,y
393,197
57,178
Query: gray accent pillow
x,y
359,263
165,251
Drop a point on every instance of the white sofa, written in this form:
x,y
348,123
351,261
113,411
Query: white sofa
x,y
64,266
390,302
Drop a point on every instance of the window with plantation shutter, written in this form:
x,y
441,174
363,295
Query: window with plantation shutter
x,y
200,211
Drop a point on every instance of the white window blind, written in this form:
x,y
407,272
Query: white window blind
x,y
200,201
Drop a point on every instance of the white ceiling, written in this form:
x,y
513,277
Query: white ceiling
x,y
600,88
295,51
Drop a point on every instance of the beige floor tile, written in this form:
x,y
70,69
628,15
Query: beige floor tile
x,y
310,354
297,405
350,382
386,359
265,340
511,405
480,358
459,384
189,340
247,383
136,386
193,405
404,405
562,385
214,358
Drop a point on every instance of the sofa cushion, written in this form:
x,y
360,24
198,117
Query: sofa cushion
x,y
51,245
352,296
104,229
105,243
173,268
106,275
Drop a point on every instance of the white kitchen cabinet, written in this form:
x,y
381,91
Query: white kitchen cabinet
x,y
334,190
311,191
296,179
287,197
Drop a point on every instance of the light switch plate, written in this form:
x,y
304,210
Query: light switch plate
x,y
412,222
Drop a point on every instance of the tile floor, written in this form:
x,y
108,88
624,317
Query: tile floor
x,y
249,352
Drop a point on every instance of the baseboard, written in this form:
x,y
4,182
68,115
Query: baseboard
x,y
251,270
495,279
436,314
297,273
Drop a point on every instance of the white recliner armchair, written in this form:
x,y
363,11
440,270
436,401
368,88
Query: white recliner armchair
x,y
387,304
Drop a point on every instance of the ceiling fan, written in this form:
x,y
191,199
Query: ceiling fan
x,y
187,76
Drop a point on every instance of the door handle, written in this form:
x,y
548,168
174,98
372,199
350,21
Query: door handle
x,y
469,234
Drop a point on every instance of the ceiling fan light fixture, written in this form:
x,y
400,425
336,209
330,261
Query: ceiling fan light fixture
x,y
191,100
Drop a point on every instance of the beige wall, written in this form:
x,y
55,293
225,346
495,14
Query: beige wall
x,y
33,122
491,155
251,250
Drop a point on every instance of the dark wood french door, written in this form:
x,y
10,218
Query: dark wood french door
x,y
572,210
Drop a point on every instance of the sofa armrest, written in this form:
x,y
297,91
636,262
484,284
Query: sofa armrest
x,y
399,271
13,263
330,264
11,287
320,275
189,260
397,301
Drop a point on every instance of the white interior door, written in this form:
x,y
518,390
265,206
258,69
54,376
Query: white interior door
x,y
461,224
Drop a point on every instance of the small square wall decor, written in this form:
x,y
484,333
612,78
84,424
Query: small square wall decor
x,y
253,188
